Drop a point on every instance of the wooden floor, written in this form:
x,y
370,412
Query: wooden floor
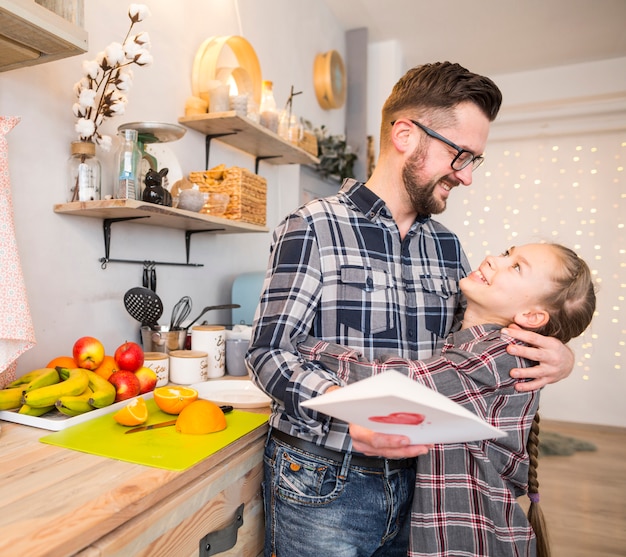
x,y
583,496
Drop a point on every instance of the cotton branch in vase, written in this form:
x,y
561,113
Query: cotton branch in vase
x,y
101,93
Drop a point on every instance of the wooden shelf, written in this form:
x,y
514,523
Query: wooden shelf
x,y
155,215
244,134
31,34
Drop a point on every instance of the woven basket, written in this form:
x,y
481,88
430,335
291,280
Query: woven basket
x,y
308,143
247,191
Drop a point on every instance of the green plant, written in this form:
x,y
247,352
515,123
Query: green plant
x,y
336,156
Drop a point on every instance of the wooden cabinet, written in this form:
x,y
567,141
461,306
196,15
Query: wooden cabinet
x,y
56,502
32,34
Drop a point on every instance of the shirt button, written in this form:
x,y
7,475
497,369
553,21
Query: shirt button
x,y
411,333
369,282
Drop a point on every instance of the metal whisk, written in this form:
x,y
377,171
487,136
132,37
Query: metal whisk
x,y
181,311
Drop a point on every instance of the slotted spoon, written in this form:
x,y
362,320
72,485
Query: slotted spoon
x,y
144,305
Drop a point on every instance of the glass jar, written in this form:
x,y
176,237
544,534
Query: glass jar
x,y
267,110
84,172
128,159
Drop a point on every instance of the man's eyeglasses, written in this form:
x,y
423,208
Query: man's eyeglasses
x,y
463,157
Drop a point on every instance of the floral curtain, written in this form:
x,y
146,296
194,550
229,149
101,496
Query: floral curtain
x,y
16,327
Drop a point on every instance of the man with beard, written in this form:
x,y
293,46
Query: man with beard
x,y
369,268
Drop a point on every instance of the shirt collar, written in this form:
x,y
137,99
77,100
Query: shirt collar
x,y
369,203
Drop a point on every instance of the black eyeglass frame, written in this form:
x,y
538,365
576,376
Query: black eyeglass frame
x,y
474,160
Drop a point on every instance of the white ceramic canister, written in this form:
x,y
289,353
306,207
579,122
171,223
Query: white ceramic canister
x,y
212,340
188,366
158,362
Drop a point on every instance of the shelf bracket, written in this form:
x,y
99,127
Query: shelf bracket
x,y
190,233
106,226
207,145
257,160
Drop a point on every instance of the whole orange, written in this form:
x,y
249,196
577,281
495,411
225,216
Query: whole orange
x,y
63,361
172,400
107,367
200,417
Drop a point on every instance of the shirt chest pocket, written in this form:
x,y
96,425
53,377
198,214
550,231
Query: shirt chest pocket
x,y
441,299
365,299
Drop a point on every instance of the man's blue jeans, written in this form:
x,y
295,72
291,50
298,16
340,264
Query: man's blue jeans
x,y
317,508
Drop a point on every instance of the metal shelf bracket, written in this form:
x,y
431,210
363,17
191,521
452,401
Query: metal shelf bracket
x,y
106,226
207,145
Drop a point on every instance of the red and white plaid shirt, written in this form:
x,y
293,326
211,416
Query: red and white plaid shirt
x,y
465,497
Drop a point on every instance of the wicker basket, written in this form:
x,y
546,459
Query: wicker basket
x,y
308,143
247,191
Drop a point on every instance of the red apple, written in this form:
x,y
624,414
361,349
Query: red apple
x,y
88,352
129,356
126,384
147,379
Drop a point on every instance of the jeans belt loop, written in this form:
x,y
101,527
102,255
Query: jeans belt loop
x,y
345,465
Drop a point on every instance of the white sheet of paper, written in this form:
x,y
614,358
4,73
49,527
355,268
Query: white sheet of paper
x,y
402,401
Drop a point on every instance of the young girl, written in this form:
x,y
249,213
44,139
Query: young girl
x,y
465,497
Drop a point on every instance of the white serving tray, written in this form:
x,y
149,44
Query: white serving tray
x,y
55,421
391,393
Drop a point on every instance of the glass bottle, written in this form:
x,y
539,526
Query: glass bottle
x,y
267,110
128,160
84,172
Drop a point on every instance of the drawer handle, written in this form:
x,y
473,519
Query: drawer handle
x,y
221,540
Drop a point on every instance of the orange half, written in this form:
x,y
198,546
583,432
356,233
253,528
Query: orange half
x,y
200,417
172,399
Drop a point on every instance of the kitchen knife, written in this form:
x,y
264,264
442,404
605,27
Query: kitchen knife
x,y
225,409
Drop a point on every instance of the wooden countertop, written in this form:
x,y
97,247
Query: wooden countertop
x,y
55,501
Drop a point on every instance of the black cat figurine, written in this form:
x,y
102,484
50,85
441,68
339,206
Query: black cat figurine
x,y
154,191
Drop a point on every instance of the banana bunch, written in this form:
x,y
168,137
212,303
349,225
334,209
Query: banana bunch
x,y
71,391
97,394
11,396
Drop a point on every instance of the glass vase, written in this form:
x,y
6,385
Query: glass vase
x,y
84,172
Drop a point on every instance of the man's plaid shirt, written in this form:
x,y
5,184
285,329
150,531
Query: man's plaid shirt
x,y
340,271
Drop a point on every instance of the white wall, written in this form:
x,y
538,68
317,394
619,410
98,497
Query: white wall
x,y
555,170
70,295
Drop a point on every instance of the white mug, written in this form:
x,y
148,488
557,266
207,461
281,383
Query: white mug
x,y
188,367
212,340
158,362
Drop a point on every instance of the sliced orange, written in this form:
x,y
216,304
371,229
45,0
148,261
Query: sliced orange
x,y
172,399
134,413
63,361
200,417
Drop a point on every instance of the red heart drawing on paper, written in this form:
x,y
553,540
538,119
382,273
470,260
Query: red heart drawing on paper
x,y
406,418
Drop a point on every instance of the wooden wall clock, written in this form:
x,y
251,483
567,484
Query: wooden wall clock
x,y
329,78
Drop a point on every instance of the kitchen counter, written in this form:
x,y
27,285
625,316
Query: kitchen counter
x,y
60,502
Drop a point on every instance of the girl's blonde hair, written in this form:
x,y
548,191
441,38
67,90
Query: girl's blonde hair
x,y
572,303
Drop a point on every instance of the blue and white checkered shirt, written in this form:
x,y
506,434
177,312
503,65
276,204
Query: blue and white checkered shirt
x,y
340,271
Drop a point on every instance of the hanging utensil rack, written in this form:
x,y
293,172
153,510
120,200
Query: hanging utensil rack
x,y
104,261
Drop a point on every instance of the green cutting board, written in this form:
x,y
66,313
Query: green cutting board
x,y
161,448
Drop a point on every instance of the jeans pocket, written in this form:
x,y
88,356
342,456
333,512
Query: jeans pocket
x,y
305,479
